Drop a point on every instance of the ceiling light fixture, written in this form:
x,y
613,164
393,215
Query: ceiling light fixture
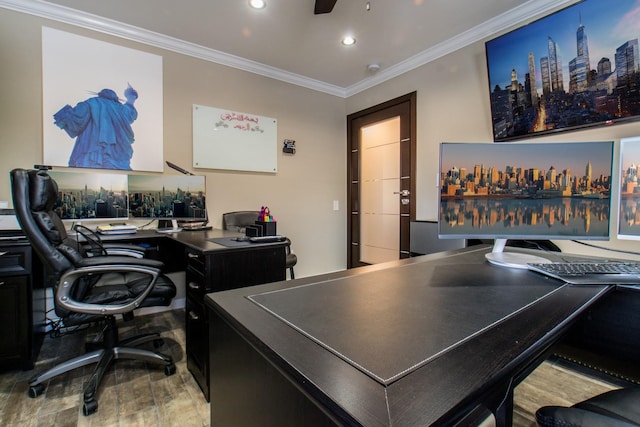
x,y
257,4
348,41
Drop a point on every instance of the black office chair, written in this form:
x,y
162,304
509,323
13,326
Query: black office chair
x,y
239,220
88,289
611,409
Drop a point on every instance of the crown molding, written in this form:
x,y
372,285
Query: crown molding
x,y
527,11
533,9
129,32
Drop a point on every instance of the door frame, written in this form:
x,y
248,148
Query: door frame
x,y
405,107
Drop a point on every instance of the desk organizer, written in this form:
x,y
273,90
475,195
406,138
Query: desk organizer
x,y
268,228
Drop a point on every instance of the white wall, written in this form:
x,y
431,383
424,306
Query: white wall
x,y
453,106
300,195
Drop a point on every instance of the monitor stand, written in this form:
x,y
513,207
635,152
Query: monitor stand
x,y
511,259
168,226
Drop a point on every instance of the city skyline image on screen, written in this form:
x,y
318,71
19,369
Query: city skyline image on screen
x,y
629,201
167,196
91,196
526,190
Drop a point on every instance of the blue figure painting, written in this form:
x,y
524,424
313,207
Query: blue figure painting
x,y
102,128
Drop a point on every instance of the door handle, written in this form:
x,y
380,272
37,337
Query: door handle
x,y
403,193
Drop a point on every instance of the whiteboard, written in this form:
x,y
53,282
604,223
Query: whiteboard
x,y
231,140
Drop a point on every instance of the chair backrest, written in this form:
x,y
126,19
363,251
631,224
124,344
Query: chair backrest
x,y
238,220
34,194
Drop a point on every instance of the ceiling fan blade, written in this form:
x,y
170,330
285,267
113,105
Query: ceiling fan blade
x,y
324,6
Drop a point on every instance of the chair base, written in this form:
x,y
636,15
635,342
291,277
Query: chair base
x,y
104,358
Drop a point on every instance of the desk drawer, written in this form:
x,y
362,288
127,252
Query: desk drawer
x,y
195,261
195,283
15,260
197,340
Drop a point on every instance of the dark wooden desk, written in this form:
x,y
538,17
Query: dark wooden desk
x,y
213,261
22,302
415,342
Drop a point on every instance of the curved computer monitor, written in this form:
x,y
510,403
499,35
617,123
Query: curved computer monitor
x,y
91,196
629,194
525,191
167,197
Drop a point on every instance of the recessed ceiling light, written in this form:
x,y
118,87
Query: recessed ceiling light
x,y
348,41
257,4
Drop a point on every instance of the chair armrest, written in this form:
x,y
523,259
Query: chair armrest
x,y
131,250
114,260
69,278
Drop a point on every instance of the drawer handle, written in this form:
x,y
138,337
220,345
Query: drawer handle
x,y
193,285
1,283
190,255
193,316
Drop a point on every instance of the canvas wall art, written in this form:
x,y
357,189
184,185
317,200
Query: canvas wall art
x,y
102,104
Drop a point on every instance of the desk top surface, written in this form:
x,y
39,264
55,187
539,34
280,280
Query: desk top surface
x,y
437,330
424,311
198,240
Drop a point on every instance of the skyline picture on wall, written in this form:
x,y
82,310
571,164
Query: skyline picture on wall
x,y
576,68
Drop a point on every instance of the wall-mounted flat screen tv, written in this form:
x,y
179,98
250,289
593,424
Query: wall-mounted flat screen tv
x,y
576,68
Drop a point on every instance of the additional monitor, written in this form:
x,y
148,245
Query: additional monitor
x,y
172,197
83,196
525,191
629,194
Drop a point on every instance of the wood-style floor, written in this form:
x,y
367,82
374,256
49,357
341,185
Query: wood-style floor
x,y
133,394
553,383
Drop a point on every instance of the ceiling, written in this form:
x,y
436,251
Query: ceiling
x,y
288,42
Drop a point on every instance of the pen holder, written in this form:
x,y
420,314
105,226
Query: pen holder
x,y
268,228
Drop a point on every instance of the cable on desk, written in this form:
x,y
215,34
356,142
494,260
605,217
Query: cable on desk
x,y
606,248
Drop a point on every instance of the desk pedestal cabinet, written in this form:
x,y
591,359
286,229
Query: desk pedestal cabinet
x,y
209,267
218,271
22,311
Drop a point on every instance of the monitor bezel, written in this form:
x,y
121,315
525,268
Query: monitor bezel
x,y
61,177
442,234
142,183
625,143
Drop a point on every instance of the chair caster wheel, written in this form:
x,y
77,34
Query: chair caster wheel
x,y
157,343
89,407
170,370
35,390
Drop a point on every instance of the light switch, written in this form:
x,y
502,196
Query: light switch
x,y
336,205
